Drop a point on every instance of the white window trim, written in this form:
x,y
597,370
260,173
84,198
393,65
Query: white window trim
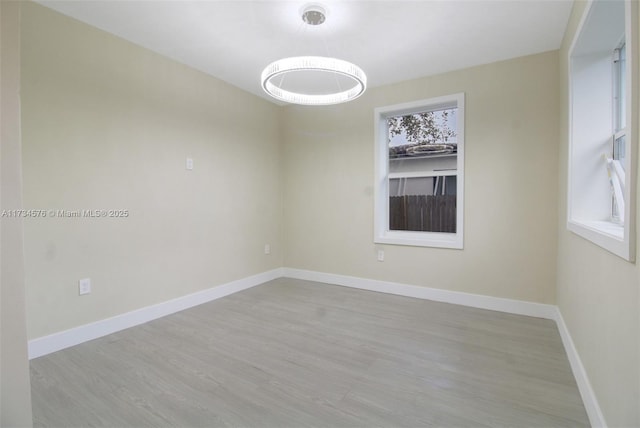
x,y
618,239
382,234
425,174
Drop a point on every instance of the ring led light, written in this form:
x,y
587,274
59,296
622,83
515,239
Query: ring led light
x,y
317,64
313,15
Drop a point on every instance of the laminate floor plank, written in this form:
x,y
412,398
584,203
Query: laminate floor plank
x,y
293,353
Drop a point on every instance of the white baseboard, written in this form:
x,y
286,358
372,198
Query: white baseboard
x,y
519,307
584,386
65,339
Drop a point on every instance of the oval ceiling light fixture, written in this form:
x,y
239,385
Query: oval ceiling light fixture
x,y
313,15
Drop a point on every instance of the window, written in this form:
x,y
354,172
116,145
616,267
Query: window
x,y
420,173
615,163
600,196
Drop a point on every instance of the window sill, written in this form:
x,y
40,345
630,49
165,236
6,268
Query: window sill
x,y
606,234
606,228
421,239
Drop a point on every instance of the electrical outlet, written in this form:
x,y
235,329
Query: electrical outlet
x,y
380,255
84,286
267,249
189,163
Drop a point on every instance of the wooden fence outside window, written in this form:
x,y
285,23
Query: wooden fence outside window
x,y
423,213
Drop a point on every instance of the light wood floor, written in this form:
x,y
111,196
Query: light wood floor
x,y
293,353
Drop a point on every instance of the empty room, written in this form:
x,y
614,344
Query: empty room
x,y
320,214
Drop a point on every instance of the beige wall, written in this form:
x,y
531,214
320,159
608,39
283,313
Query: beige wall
x,y
511,111
598,293
15,392
109,125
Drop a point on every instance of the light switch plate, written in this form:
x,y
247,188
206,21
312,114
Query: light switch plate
x,y
84,286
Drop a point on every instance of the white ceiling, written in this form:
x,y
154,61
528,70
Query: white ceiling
x,y
390,40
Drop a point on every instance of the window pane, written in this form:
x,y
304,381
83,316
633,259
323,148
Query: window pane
x,y
423,204
619,154
619,149
422,146
423,134
619,102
